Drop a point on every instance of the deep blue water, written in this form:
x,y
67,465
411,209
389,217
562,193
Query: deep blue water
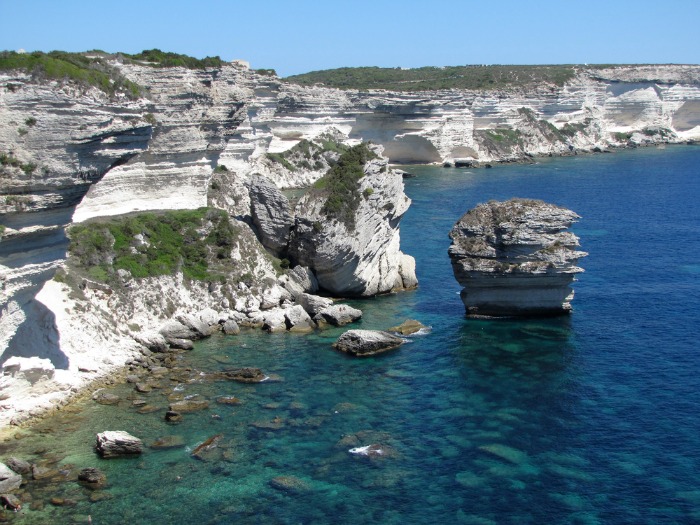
x,y
590,418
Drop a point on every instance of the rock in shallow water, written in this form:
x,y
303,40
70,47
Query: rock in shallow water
x,y
116,443
515,258
366,342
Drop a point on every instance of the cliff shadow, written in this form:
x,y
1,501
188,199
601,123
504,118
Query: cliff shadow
x,y
37,336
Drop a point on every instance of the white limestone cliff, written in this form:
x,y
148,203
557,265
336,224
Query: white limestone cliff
x,y
72,154
515,258
361,257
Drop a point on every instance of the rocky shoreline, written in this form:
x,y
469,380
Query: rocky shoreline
x,y
229,138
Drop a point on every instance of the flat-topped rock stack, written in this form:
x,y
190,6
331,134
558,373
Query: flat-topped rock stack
x,y
515,258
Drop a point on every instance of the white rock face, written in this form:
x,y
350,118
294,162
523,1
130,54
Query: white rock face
x,y
364,258
112,156
515,258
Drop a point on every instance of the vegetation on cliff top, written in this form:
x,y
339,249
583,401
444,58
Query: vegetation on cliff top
x,y
158,58
432,78
341,184
196,242
85,69
308,155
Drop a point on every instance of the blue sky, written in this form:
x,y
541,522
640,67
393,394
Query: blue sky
x,y
304,35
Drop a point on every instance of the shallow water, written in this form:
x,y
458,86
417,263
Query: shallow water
x,y
591,418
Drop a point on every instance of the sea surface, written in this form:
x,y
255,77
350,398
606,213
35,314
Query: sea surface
x,y
590,418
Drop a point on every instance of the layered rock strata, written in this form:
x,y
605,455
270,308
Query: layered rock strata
x,y
72,153
515,258
360,256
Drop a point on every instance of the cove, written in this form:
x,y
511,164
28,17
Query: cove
x,y
590,418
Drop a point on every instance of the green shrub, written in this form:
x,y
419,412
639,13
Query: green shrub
x,y
173,244
31,121
341,184
74,67
158,58
431,78
279,158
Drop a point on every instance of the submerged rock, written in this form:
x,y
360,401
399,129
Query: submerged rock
x,y
116,443
408,327
515,258
168,442
92,478
20,466
105,398
189,405
367,342
290,484
204,450
242,375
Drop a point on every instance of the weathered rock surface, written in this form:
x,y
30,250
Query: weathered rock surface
x,y
361,258
189,405
242,375
297,320
92,478
231,327
114,156
313,304
9,479
271,214
290,484
339,314
116,443
515,258
367,342
408,327
298,280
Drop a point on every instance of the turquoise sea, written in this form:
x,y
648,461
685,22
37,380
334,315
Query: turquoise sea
x,y
590,418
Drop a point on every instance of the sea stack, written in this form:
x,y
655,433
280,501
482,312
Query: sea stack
x,y
515,258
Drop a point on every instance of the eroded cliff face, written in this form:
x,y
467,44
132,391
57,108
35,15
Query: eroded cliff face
x,y
515,258
360,255
71,153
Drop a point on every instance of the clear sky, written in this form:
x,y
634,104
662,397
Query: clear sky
x,y
297,36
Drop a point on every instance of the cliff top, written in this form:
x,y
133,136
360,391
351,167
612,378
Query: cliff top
x,y
476,77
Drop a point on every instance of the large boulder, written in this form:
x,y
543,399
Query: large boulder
x,y
298,320
117,443
354,251
339,314
9,479
298,280
515,258
313,304
366,342
271,214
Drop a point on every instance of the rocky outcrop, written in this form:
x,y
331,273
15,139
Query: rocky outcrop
x,y
70,153
360,255
117,443
271,214
515,258
363,343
